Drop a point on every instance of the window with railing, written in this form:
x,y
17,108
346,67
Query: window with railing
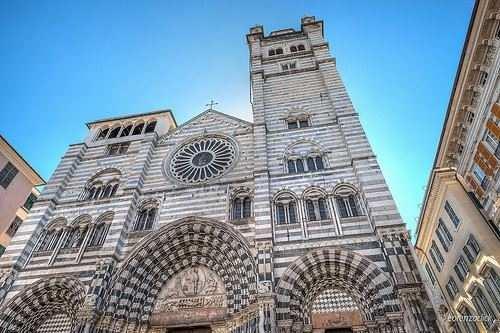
x,y
461,269
436,256
491,141
471,249
483,307
444,235
478,173
468,322
451,214
452,288
492,285
430,274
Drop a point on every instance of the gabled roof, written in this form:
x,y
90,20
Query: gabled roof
x,y
214,112
20,163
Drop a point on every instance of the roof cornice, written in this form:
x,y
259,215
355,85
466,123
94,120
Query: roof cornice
x,y
133,116
20,163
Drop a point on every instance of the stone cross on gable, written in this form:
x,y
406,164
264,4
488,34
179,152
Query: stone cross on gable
x,y
211,104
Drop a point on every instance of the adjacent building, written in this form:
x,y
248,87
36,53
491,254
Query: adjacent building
x,y
222,225
18,192
458,235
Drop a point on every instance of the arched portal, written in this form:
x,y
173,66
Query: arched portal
x,y
44,306
203,248
333,268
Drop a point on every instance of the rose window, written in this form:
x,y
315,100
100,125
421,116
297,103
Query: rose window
x,y
202,159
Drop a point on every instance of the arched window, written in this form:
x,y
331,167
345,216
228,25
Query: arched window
x,y
76,232
298,165
317,209
146,216
150,127
316,204
114,132
285,209
138,129
271,52
301,47
279,50
92,191
126,130
50,235
241,207
347,201
74,238
293,48
103,132
304,156
110,189
95,188
100,230
301,121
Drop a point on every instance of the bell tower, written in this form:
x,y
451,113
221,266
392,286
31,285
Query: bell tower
x,y
317,181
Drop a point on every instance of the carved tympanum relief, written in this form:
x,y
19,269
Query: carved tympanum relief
x,y
195,287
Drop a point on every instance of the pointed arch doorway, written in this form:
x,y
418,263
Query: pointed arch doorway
x,y
365,287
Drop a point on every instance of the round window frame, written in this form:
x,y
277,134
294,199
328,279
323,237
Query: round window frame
x,y
180,146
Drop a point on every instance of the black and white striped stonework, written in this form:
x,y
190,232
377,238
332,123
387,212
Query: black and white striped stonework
x,y
272,272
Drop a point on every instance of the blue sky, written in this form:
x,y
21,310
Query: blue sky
x,y
63,63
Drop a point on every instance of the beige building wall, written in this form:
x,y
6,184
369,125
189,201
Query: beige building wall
x,y
458,235
13,197
447,187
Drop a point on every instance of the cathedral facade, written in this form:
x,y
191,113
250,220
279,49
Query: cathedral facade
x,y
222,225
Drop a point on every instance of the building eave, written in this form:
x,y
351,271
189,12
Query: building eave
x,y
20,163
450,113
89,124
435,184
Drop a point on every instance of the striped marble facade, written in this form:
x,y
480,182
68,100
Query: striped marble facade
x,y
272,271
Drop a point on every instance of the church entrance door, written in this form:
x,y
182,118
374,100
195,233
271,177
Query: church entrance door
x,y
200,329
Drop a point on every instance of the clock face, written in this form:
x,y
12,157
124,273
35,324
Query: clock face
x,y
202,159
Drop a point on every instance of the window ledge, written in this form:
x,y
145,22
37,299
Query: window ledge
x,y
69,250
288,226
353,218
242,221
93,248
139,233
319,223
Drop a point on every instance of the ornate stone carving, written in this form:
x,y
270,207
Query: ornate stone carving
x,y
195,294
265,287
202,159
